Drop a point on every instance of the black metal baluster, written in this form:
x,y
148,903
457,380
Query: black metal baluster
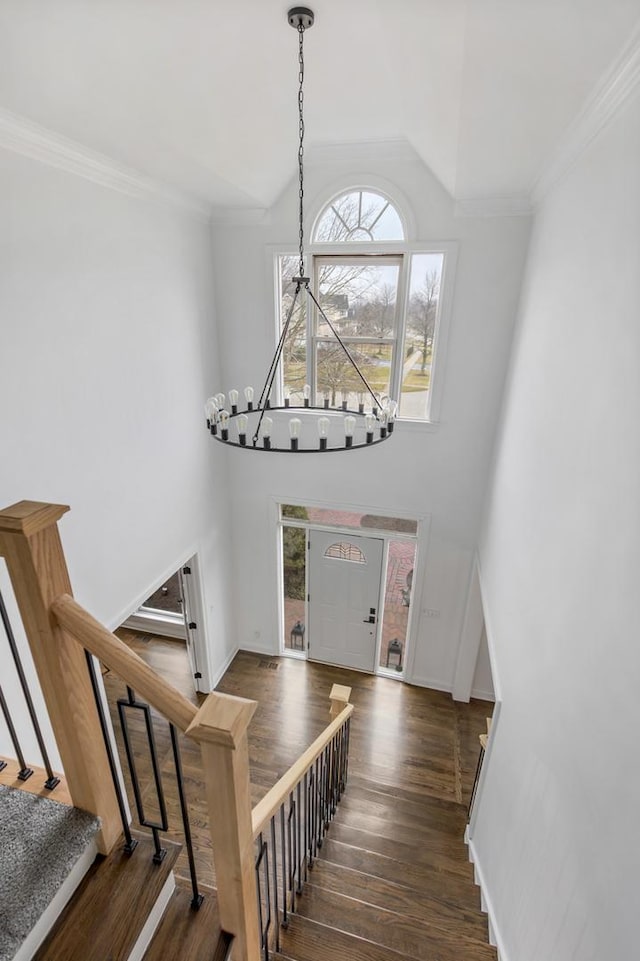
x,y
339,763
263,856
274,850
310,825
130,702
336,772
25,772
316,812
52,781
299,848
198,898
291,838
306,825
346,753
130,843
285,915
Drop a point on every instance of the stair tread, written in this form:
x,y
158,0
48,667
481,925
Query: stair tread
x,y
459,891
186,933
306,940
406,793
426,811
390,929
446,859
309,940
436,839
395,896
110,907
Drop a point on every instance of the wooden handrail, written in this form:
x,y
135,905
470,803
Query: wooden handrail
x,y
274,798
124,662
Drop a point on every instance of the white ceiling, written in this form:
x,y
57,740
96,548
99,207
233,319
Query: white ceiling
x,y
201,94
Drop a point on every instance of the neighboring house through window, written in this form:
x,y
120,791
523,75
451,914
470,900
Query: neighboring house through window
x,y
384,295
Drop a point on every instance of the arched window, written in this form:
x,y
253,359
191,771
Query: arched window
x,y
358,216
344,551
382,295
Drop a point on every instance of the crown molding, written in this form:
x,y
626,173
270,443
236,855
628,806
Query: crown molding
x,y
620,82
516,206
29,139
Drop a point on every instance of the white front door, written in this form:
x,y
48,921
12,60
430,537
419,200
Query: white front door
x,y
345,574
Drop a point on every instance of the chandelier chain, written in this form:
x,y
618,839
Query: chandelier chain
x,y
301,141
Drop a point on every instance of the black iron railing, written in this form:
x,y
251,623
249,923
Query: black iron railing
x,y
25,771
288,845
161,823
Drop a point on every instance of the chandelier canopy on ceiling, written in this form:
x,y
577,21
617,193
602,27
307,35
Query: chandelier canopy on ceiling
x,y
324,424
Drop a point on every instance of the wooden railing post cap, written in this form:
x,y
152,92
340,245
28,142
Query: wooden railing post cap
x,y
340,693
29,517
222,719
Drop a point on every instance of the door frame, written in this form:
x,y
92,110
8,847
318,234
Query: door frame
x,y
420,538
149,624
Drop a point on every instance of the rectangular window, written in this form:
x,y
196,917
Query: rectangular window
x,y
421,327
385,309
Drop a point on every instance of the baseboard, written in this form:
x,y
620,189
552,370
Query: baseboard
x,y
495,938
144,938
431,682
54,909
257,649
219,674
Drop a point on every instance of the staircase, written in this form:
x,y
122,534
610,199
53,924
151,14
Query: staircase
x,y
386,879
391,882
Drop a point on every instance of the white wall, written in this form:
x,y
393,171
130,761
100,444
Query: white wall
x,y
108,351
439,472
482,684
557,826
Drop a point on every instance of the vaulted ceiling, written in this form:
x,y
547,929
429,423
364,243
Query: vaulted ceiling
x,y
201,94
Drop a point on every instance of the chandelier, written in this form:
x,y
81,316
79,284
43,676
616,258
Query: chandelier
x,y
325,424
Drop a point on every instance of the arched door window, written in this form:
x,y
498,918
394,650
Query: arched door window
x,y
344,551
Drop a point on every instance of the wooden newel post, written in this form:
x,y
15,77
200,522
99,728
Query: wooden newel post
x,y
220,727
339,698
30,544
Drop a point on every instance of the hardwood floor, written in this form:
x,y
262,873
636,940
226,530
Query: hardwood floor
x,y
393,879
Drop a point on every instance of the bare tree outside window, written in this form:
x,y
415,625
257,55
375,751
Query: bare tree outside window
x,y
423,310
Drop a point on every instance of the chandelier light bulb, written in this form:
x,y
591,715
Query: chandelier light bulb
x,y
295,429
287,396
384,421
323,432
392,410
233,400
267,427
248,396
306,393
219,399
224,424
243,423
349,429
361,402
345,399
326,398
369,423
